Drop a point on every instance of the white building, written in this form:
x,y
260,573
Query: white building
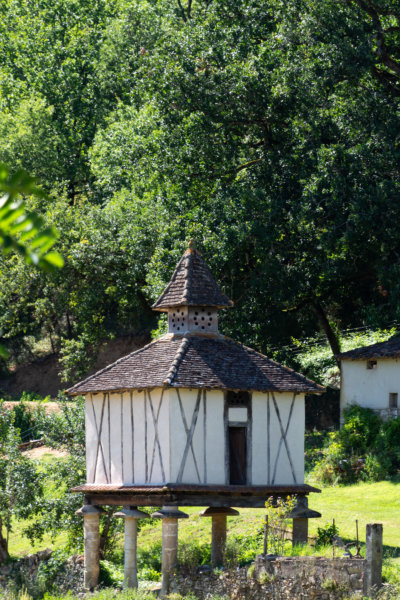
x,y
194,418
370,377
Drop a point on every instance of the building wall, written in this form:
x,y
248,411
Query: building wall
x,y
127,437
278,459
369,387
197,436
273,458
180,435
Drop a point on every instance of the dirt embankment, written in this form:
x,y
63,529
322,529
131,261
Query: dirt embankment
x,y
43,375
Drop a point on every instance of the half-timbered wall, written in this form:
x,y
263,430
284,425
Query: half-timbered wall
x,y
278,438
180,435
197,436
127,437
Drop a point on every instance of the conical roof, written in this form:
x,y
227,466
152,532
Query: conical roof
x,y
192,284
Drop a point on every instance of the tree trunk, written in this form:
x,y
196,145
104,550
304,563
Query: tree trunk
x,y
326,328
104,534
4,555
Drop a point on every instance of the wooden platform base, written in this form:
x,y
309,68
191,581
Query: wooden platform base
x,y
188,495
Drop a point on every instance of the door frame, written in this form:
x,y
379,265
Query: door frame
x,y
248,426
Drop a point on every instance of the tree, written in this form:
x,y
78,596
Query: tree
x,y
65,430
267,133
271,130
20,483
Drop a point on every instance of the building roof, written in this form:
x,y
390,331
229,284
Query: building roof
x,y
193,361
192,284
388,349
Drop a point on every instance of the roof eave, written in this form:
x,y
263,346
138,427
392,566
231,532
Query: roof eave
x,y
161,308
165,385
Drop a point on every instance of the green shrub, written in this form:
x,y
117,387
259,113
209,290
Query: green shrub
x,y
191,554
150,557
149,574
360,430
29,420
366,448
376,468
111,574
325,535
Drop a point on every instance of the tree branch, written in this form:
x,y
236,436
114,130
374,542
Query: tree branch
x,y
182,11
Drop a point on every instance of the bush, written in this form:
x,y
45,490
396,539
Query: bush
x,y
325,535
360,430
29,420
376,468
366,448
111,575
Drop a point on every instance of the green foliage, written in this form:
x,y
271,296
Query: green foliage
x,y
314,442
325,535
21,230
21,485
275,128
360,429
30,421
44,582
111,575
314,358
364,448
278,511
149,574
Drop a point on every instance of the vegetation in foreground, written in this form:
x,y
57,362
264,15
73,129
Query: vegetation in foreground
x,y
48,517
366,448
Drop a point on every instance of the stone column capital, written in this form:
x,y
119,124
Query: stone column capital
x,y
88,510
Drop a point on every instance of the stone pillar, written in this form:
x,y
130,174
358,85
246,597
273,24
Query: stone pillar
x,y
91,525
300,531
218,531
300,515
169,516
373,553
131,515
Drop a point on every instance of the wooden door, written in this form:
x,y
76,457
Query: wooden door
x,y
237,455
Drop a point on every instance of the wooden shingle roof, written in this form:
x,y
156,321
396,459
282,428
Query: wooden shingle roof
x,y
192,284
388,349
192,361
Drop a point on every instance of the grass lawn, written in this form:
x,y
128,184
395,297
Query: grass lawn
x,y
19,545
367,502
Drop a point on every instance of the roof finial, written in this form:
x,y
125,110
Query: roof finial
x,y
191,244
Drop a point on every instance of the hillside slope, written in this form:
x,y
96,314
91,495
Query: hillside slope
x,y
43,375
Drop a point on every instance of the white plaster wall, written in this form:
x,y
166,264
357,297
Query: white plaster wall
x,y
137,427
208,437
127,437
369,387
270,460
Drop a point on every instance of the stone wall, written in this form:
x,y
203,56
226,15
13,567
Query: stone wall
x,y
283,578
40,572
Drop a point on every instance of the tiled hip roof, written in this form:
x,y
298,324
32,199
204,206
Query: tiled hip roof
x,y
196,362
